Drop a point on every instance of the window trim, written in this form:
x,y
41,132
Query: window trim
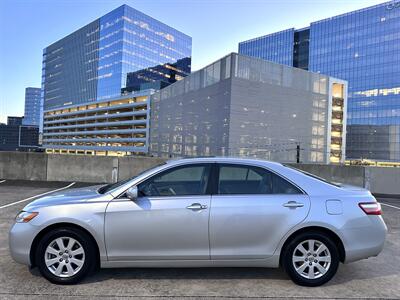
x,y
216,183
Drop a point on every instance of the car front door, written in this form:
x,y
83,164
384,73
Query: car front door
x,y
168,220
252,210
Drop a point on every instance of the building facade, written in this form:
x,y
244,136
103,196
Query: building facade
x,y
363,48
32,106
17,137
244,106
14,121
117,126
123,51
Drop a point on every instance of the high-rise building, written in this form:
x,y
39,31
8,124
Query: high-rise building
x,y
14,121
363,48
32,106
17,137
122,51
97,81
245,106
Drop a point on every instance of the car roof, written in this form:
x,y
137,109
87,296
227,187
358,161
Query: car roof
x,y
223,159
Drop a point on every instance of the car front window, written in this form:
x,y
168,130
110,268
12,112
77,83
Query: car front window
x,y
178,181
109,187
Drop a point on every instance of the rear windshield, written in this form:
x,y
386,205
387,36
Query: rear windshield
x,y
314,176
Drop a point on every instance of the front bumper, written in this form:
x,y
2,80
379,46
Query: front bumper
x,y
20,239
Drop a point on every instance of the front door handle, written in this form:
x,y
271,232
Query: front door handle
x,y
293,204
196,206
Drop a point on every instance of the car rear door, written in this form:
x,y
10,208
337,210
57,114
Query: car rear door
x,y
251,210
168,221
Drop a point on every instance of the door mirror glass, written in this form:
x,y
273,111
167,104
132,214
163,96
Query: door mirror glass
x,y
132,193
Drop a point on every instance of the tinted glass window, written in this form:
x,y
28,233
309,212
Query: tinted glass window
x,y
179,181
252,180
282,186
314,176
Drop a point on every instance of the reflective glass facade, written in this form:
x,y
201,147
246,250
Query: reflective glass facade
x,y
244,106
301,48
123,51
32,106
363,47
276,47
16,137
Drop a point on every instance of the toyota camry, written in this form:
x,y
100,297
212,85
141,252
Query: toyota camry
x,y
202,212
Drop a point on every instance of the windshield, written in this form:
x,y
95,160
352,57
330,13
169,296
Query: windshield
x,y
109,187
314,176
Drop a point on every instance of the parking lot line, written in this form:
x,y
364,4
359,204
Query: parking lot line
x,y
1,181
33,197
392,206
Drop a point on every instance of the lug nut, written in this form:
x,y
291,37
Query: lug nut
x,y
70,256
315,255
66,261
306,259
61,259
310,264
60,253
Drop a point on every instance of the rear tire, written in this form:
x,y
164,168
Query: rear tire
x,y
311,259
65,255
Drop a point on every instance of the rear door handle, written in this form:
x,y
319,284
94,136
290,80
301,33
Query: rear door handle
x,y
293,204
196,206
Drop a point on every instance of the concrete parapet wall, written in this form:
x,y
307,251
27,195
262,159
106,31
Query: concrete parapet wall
x,y
81,168
383,180
353,175
23,165
98,169
131,166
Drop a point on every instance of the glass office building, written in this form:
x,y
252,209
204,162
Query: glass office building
x,y
276,47
363,48
245,106
32,106
17,137
123,51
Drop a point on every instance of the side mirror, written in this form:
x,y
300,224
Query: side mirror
x,y
132,193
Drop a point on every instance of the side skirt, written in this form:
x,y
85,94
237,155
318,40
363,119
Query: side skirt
x,y
271,262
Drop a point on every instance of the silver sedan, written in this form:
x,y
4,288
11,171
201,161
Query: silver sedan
x,y
202,212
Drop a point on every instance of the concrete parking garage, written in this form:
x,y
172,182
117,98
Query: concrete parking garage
x,y
374,278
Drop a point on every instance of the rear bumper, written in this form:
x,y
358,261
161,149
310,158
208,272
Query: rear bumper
x,y
21,236
364,242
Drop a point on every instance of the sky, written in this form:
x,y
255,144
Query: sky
x,y
216,28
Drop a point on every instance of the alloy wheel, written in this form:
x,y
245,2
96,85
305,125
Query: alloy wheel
x,y
311,259
64,257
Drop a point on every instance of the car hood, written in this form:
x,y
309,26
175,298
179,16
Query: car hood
x,y
67,196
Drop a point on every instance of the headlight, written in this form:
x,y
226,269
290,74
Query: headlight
x,y
25,216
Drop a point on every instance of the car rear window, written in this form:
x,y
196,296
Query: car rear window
x,y
314,176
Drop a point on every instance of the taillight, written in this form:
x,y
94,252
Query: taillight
x,y
371,208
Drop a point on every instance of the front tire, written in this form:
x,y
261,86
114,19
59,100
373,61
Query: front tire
x,y
65,255
311,259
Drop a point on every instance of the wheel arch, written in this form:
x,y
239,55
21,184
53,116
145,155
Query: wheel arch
x,y
57,226
336,239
